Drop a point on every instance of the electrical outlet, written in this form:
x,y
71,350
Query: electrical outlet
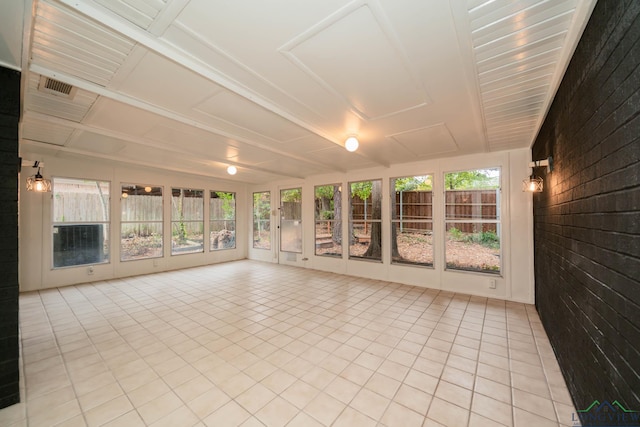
x,y
492,283
90,271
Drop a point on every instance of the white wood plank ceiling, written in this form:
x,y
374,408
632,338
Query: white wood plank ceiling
x,y
275,87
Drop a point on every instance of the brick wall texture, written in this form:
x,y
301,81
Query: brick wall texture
x,y
9,352
587,220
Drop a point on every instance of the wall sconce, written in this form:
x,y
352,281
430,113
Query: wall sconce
x,y
535,184
36,182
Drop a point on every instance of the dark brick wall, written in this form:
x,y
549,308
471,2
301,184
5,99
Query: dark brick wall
x,y
587,220
9,353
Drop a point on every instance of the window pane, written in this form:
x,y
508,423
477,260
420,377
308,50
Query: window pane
x,y
328,217
412,220
141,240
365,227
141,203
187,224
472,217
291,220
76,200
222,220
80,222
141,223
262,220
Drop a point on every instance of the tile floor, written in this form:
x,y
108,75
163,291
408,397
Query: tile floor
x,y
256,344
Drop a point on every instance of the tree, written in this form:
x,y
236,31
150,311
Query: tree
x,y
336,234
474,179
375,244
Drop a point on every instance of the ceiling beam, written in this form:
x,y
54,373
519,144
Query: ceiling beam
x,y
118,159
134,102
146,142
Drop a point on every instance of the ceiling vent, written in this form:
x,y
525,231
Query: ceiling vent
x,y
56,87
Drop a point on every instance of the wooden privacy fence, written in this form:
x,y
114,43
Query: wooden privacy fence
x,y
461,206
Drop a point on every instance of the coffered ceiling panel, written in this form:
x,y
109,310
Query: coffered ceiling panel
x,y
275,87
427,141
341,60
239,111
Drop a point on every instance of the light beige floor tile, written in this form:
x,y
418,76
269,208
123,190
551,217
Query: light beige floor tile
x,y
370,403
208,402
278,381
100,396
350,417
303,420
383,385
424,382
397,415
182,416
54,415
300,393
534,404
108,411
454,394
324,408
447,413
342,389
148,392
159,407
523,418
276,413
130,419
493,409
231,415
493,389
476,420
255,398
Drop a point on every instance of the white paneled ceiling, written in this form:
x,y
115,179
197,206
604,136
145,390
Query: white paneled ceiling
x,y
275,87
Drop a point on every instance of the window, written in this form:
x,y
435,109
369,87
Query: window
x,y
365,220
141,222
412,220
291,220
80,222
262,220
222,220
187,221
328,215
472,219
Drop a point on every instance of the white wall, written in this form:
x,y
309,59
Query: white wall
x,y
36,239
515,282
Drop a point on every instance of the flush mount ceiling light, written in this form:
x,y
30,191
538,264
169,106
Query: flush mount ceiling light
x,y
535,184
36,182
232,170
351,144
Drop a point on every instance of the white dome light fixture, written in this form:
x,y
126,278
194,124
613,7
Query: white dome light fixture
x,y
351,144
232,170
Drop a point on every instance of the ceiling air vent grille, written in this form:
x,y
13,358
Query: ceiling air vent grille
x,y
56,87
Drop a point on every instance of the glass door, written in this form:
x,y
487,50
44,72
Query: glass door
x,y
290,223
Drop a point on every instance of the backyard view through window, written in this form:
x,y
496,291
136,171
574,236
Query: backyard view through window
x,y
472,218
328,217
222,220
262,220
141,222
187,221
80,222
291,220
365,220
412,220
